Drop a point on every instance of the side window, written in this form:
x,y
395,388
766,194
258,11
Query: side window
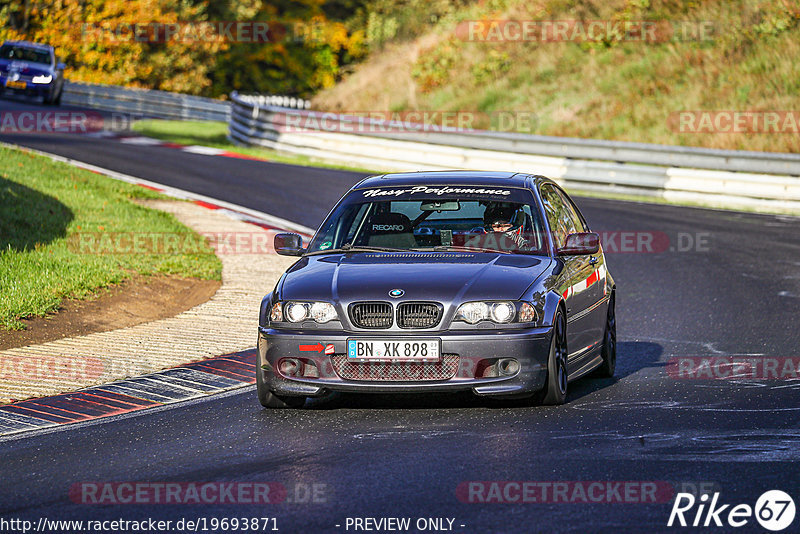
x,y
576,219
559,215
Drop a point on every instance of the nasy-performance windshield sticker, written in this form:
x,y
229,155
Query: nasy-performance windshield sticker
x,y
438,191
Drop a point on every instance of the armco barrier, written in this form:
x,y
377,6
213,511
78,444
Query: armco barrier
x,y
724,178
145,103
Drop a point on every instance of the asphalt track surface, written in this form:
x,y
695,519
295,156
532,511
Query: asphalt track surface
x,y
737,293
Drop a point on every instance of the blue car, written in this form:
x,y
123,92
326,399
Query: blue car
x,y
31,69
508,296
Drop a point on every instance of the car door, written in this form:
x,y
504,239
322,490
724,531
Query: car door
x,y
580,289
593,286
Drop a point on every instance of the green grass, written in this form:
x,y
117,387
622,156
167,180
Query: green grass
x,y
45,209
214,134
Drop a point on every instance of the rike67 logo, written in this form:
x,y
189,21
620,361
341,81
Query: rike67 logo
x,y
774,510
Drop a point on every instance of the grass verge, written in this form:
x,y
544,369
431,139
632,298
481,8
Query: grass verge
x,y
46,207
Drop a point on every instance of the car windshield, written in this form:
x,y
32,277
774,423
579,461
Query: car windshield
x,y
24,53
434,219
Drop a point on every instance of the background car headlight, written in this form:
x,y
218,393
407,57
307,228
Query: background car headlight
x,y
42,78
321,312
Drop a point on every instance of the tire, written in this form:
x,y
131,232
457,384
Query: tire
x,y
268,399
555,389
609,351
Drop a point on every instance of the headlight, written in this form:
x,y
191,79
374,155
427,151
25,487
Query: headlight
x,y
501,312
472,312
527,314
276,314
296,312
44,78
322,312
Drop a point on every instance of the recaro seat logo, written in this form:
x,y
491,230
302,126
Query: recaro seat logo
x,y
387,227
774,510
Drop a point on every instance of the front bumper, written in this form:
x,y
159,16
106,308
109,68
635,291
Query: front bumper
x,y
477,351
35,90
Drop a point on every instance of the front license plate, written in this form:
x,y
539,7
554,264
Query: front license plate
x,y
393,350
16,85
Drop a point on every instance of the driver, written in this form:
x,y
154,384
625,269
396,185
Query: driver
x,y
506,219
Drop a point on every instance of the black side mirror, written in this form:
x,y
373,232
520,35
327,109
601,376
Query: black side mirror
x,y
288,244
580,243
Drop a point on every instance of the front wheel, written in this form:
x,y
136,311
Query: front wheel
x,y
555,390
268,399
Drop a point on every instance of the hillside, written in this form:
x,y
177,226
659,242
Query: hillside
x,y
700,56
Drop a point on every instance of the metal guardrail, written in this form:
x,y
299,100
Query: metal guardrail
x,y
146,103
715,177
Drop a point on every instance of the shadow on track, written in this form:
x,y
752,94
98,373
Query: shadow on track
x,y
631,357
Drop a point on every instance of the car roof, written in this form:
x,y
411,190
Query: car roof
x,y
29,44
485,178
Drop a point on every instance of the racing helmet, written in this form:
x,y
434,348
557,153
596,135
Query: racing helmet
x,y
503,214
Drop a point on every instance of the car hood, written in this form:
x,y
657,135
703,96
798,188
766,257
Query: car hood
x,y
442,277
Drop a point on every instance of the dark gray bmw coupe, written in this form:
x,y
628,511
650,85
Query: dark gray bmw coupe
x,y
440,281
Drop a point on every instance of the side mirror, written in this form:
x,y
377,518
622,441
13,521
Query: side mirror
x,y
580,243
288,244
61,66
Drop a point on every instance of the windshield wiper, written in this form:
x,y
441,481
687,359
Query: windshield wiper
x,y
459,248
349,247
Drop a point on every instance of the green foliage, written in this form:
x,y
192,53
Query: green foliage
x,y
305,51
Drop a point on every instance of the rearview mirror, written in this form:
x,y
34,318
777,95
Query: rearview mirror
x,y
288,244
450,205
580,243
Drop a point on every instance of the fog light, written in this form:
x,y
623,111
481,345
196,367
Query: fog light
x,y
508,366
289,367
